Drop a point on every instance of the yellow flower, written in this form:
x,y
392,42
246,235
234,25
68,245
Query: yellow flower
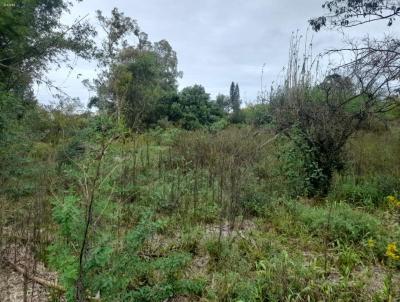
x,y
371,243
392,252
393,200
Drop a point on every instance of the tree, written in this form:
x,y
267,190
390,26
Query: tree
x,y
118,29
320,117
140,78
374,62
352,13
137,74
196,108
235,103
190,109
223,103
32,37
372,67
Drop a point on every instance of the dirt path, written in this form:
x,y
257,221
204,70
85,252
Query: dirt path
x,y
12,283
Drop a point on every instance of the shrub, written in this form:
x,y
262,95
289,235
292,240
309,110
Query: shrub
x,y
303,173
257,115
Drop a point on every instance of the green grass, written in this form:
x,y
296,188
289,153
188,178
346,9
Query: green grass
x,y
222,227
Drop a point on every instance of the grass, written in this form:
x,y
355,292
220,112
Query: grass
x,y
222,227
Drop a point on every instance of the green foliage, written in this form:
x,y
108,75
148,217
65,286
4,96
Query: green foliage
x,y
219,125
223,103
302,170
67,154
257,115
22,128
117,262
235,101
32,37
191,209
369,190
348,259
191,109
253,198
281,276
196,108
343,223
134,77
69,217
218,250
139,83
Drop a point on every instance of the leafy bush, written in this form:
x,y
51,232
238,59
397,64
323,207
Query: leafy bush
x,y
219,125
258,115
302,171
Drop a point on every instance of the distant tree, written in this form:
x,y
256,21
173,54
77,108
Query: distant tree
x,y
190,109
140,79
196,108
235,102
236,99
136,74
223,103
232,94
119,31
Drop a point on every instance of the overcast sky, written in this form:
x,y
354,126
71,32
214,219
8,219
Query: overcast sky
x,y
217,41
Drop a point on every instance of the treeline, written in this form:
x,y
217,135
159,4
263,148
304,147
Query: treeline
x,y
136,85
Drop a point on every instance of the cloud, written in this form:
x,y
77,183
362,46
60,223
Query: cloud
x,y
217,41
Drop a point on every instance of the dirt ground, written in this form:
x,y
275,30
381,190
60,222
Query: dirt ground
x,y
12,283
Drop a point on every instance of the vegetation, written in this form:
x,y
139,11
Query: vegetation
x,y
163,194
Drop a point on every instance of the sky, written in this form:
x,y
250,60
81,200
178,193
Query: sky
x,y
217,41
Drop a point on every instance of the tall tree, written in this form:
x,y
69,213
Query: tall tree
x,y
141,78
137,73
231,94
119,30
235,102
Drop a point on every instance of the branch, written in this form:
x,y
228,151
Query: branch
x,y
33,278
41,281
